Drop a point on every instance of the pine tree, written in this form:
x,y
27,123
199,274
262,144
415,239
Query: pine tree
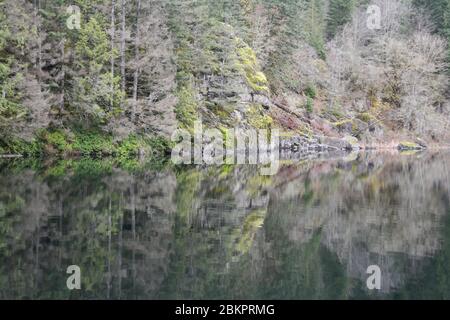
x,y
339,13
315,24
23,102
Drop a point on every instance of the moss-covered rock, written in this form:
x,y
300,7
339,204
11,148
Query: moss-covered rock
x,y
186,109
408,145
247,64
351,126
366,117
257,117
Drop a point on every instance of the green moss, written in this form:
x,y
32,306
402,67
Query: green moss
x,y
337,113
188,183
252,223
257,183
309,105
226,170
365,116
407,145
186,109
223,112
248,65
342,122
257,118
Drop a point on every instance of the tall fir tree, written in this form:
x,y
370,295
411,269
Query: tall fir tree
x,y
339,13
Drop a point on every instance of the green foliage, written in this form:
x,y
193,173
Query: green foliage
x,y
339,13
188,182
159,145
315,24
248,65
408,145
366,117
97,95
93,143
10,106
186,109
130,146
57,139
257,118
309,105
93,44
310,92
19,146
86,143
87,168
252,223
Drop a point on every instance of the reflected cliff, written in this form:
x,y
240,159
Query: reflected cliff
x,y
146,232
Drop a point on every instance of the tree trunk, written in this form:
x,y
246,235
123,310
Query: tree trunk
x,y
63,76
136,57
38,63
113,36
122,48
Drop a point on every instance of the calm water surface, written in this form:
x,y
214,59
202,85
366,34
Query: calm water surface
x,y
159,232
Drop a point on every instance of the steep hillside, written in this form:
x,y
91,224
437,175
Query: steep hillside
x,y
117,76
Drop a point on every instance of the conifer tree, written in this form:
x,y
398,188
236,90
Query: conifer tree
x,y
339,13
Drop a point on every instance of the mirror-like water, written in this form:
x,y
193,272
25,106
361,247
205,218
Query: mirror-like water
x,y
309,232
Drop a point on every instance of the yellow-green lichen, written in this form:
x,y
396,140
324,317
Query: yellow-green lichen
x,y
252,223
248,65
366,117
407,145
186,109
257,118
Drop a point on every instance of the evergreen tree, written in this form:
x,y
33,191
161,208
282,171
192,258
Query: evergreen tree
x,y
315,23
339,13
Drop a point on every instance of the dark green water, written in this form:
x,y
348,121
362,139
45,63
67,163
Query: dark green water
x,y
158,232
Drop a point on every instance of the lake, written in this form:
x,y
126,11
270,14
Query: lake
x,y
154,231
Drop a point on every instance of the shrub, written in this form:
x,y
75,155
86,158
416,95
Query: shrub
x,y
310,92
309,105
93,143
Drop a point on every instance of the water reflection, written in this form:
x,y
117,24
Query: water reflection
x,y
309,232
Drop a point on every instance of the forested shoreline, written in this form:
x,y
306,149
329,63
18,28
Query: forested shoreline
x,y
118,77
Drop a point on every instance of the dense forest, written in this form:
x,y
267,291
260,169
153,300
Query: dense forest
x,y
94,85
119,76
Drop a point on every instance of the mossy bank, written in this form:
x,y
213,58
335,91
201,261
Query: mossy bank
x,y
66,144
